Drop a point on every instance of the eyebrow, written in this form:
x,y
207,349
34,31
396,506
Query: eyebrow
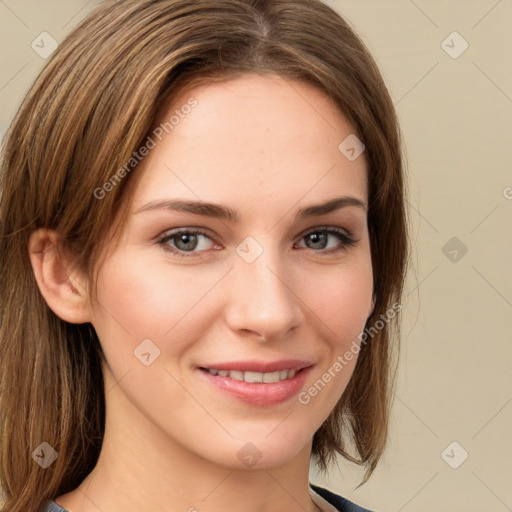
x,y
225,213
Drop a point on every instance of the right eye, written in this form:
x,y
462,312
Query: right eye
x,y
184,242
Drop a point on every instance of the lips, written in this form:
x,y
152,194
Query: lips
x,y
260,366
256,382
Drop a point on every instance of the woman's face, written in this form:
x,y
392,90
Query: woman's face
x,y
278,288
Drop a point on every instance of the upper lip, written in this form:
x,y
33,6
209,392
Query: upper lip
x,y
260,366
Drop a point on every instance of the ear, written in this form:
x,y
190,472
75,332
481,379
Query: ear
x,y
65,293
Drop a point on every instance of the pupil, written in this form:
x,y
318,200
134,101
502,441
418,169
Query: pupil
x,y
185,240
318,238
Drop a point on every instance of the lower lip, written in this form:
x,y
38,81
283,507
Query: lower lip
x,y
259,393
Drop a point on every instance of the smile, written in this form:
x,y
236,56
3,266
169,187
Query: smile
x,y
265,378
275,382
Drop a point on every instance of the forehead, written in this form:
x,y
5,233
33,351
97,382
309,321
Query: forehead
x,y
247,138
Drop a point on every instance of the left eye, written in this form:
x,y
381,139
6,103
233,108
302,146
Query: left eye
x,y
195,241
319,239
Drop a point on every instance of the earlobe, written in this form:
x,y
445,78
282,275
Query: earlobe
x,y
66,296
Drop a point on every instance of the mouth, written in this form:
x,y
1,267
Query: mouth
x,y
257,383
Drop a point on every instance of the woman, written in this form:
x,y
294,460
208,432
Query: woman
x,y
204,244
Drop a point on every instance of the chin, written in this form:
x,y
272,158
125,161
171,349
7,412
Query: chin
x,y
263,451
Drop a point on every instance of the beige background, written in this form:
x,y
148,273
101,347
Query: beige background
x,y
456,114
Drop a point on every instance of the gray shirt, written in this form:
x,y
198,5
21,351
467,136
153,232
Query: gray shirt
x,y
326,499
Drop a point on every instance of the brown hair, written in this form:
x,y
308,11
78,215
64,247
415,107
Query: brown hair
x,y
91,107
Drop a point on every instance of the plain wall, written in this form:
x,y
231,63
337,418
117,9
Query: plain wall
x,y
456,115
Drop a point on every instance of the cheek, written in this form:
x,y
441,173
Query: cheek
x,y
140,299
342,300
340,312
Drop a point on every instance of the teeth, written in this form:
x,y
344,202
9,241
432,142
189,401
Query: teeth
x,y
272,377
255,376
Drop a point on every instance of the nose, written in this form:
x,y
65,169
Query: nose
x,y
262,298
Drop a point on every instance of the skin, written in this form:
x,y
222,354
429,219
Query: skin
x,y
265,147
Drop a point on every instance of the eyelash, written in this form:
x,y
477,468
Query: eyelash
x,y
346,239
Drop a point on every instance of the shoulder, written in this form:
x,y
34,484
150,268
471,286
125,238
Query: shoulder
x,y
339,502
51,506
